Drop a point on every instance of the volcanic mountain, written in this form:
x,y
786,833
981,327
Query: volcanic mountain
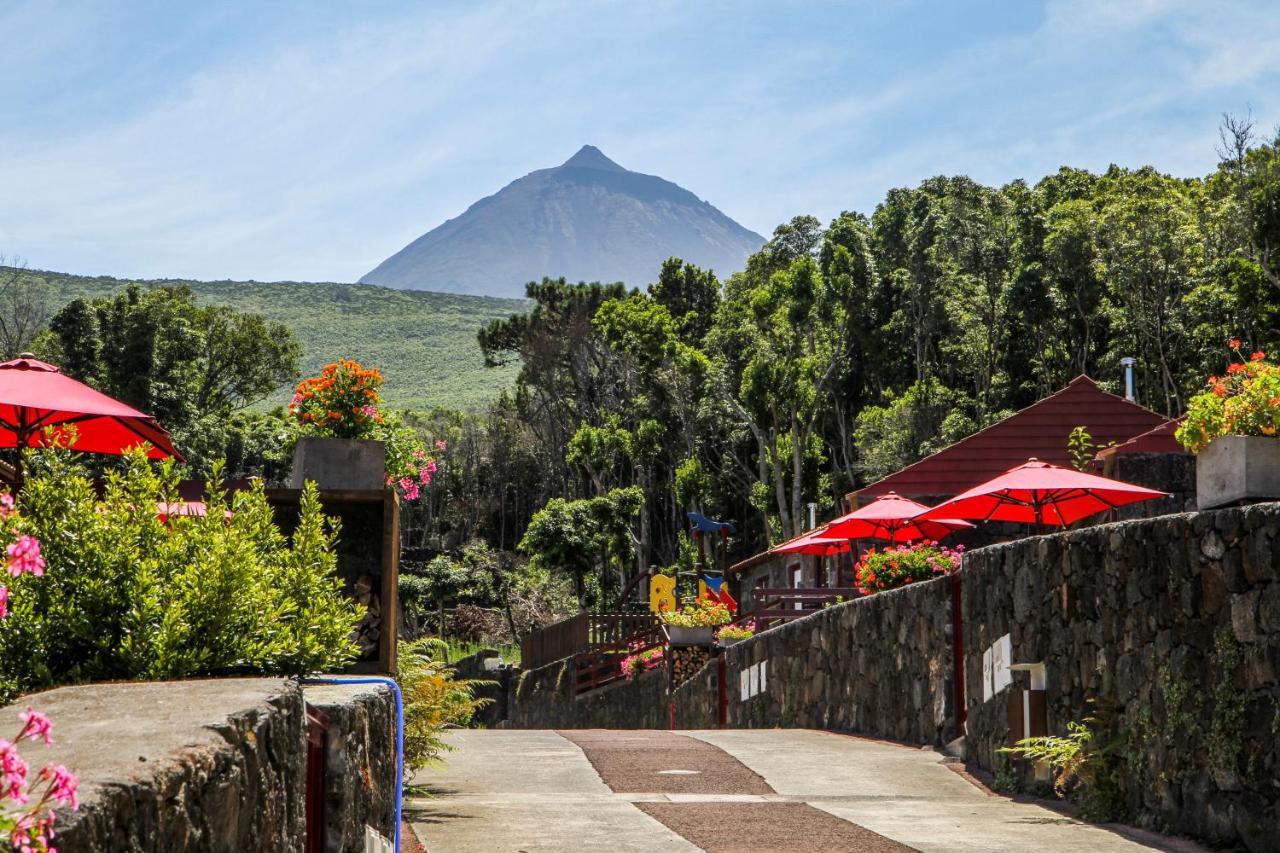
x,y
588,219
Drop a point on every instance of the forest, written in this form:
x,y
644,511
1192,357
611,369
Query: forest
x,y
846,350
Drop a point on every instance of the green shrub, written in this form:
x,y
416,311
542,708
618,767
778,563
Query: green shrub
x,y
433,700
127,595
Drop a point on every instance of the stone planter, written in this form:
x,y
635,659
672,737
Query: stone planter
x,y
1238,468
730,641
339,463
679,635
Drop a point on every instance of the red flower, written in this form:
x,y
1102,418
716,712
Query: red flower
x,y
1235,367
1234,343
1258,356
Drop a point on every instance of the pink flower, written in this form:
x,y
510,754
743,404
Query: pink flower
x,y
13,773
409,489
369,411
420,455
24,556
62,784
6,505
4,601
441,444
35,726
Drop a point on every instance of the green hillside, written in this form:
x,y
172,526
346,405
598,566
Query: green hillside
x,y
424,343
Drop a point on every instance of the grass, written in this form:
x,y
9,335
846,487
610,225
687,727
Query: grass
x,y
424,343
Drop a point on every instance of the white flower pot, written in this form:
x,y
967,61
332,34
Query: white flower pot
x,y
703,635
1238,468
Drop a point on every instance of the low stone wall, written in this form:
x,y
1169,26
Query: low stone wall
x,y
360,761
211,765
496,686
544,699
1168,631
879,666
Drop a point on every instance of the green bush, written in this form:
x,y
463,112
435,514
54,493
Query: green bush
x,y
126,595
433,700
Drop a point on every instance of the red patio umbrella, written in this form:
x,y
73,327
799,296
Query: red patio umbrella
x,y
894,518
1038,492
814,542
35,396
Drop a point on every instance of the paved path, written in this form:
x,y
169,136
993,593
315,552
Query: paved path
x,y
505,790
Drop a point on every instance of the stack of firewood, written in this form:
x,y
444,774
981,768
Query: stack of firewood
x,y
686,662
369,628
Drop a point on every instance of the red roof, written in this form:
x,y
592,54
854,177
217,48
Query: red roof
x,y
1158,440
1039,431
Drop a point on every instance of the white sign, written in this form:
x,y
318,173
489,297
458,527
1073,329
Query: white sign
x,y
1002,657
987,663
754,677
762,680
745,684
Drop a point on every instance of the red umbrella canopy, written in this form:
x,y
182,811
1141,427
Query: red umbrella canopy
x,y
1041,493
894,518
35,395
815,542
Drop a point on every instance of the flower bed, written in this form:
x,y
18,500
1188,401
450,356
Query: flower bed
x,y
893,567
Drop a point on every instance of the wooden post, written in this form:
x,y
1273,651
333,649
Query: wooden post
x,y
957,649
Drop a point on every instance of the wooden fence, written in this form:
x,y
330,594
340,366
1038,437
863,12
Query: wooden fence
x,y
775,605
588,632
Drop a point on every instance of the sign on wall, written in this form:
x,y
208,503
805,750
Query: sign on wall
x,y
996,674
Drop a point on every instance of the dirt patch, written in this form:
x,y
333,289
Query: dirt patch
x,y
776,827
657,762
642,762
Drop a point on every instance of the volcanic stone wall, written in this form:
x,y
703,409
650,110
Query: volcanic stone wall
x,y
1167,631
213,765
880,666
544,698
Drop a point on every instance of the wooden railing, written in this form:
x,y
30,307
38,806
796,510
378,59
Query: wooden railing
x,y
775,605
587,632
554,642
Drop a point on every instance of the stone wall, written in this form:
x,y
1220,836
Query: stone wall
x,y
544,699
1168,631
496,686
879,666
209,765
360,761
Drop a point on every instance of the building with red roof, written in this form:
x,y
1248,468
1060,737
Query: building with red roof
x,y
1040,430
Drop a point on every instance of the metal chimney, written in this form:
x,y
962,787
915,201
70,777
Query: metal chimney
x,y
813,515
1128,362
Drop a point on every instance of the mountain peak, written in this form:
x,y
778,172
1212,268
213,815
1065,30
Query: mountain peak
x,y
591,157
586,220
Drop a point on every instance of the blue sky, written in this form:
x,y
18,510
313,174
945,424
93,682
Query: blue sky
x,y
309,140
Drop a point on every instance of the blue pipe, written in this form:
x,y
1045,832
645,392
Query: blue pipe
x,y
395,688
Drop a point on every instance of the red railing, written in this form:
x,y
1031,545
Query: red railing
x,y
776,605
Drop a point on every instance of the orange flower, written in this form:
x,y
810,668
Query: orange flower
x,y
1258,356
1234,343
1235,367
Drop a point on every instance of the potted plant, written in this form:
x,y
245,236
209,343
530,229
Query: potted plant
x,y
1231,427
900,565
732,634
345,439
695,624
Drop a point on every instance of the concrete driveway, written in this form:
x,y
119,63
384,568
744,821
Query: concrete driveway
x,y
508,790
